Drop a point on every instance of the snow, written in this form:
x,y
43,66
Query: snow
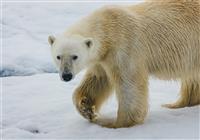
x,y
40,106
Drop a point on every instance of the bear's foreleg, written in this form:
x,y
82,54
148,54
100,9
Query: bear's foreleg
x,y
132,95
92,92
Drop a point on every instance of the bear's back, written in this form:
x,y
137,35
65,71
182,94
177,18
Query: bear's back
x,y
171,33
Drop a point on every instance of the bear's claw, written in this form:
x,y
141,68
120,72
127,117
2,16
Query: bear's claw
x,y
87,110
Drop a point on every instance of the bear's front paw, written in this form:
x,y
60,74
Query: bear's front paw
x,y
87,109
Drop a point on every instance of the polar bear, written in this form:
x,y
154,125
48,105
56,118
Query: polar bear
x,y
121,46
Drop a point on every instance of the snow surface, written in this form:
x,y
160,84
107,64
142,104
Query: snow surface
x,y
41,106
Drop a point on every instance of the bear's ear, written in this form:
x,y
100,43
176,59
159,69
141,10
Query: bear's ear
x,y
51,39
88,42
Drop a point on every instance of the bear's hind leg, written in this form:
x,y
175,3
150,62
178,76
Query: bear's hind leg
x,y
195,95
189,95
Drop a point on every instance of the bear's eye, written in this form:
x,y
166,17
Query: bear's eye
x,y
88,43
74,57
58,57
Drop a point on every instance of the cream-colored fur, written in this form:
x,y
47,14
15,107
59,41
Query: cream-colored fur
x,y
159,38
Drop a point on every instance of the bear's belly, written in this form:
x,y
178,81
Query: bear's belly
x,y
174,70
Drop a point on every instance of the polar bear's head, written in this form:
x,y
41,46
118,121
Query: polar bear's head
x,y
72,54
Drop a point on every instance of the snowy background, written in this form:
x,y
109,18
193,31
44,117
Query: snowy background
x,y
36,104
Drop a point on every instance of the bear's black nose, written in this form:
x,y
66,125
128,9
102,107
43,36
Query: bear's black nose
x,y
67,76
